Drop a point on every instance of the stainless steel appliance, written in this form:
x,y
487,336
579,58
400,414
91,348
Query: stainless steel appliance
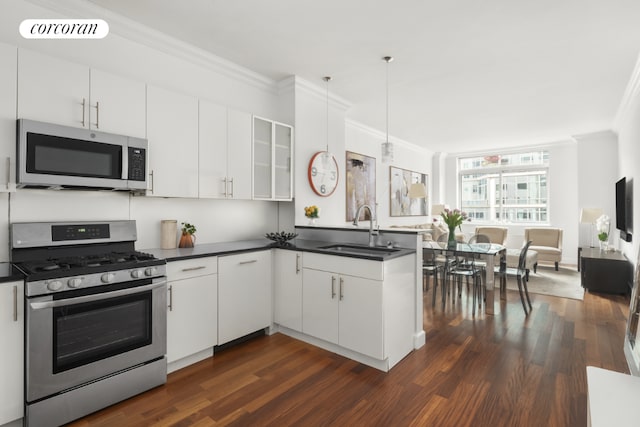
x,y
54,156
95,313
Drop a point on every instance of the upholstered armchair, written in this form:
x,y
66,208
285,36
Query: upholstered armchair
x,y
547,242
495,234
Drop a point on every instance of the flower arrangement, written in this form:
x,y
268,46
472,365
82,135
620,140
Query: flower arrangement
x,y
603,224
188,228
311,211
454,218
187,240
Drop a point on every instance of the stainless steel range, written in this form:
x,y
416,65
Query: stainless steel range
x,y
95,329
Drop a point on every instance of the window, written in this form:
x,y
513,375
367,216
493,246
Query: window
x,y
508,187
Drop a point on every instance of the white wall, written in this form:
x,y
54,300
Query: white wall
x,y
364,140
311,137
628,130
597,174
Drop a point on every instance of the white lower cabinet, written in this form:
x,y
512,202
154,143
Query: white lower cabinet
x,y
345,310
12,353
244,294
359,308
192,317
287,289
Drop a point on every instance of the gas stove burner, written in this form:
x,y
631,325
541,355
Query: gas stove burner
x,y
49,267
80,264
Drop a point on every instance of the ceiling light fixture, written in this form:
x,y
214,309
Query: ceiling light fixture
x,y
387,146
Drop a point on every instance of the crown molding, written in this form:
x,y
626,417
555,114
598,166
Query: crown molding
x,y
376,133
318,92
631,92
154,39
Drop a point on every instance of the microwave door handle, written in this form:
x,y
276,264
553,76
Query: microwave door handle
x,y
125,161
96,297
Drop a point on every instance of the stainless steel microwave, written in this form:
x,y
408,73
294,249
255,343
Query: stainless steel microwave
x,y
55,156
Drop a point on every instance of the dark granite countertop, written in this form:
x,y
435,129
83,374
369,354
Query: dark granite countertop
x,y
227,248
8,273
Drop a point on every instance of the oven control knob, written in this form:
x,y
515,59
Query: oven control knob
x,y
74,283
136,274
54,285
107,277
150,271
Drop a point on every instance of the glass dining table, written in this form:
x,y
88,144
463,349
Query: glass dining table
x,y
488,252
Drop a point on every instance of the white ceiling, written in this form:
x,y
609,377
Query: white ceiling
x,y
467,74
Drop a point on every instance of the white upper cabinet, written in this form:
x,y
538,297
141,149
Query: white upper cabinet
x,y
225,152
239,153
60,95
8,94
118,105
272,160
73,95
172,131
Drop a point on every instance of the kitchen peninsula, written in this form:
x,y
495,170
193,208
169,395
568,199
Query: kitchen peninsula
x,y
359,304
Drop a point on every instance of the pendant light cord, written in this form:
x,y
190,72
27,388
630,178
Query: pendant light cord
x,y
388,59
326,79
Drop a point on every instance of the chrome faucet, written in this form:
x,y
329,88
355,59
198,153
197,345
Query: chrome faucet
x,y
372,232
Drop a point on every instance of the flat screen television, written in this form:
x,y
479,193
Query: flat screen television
x,y
623,209
621,205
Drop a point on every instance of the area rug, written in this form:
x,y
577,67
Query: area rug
x,y
564,283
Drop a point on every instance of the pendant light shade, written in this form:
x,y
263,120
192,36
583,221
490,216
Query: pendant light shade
x,y
387,146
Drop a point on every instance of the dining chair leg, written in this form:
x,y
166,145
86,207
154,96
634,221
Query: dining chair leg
x,y
524,305
526,292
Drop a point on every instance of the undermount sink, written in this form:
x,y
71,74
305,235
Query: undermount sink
x,y
359,250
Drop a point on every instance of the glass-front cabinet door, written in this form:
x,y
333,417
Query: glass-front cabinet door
x,y
272,160
282,162
262,158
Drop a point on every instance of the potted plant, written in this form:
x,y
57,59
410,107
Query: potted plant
x,y
188,237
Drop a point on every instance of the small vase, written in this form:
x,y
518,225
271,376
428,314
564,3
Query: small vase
x,y
604,245
186,240
313,221
451,242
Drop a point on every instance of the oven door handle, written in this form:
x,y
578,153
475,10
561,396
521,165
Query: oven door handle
x,y
97,297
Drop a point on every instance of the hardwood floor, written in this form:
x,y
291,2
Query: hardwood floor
x,y
502,370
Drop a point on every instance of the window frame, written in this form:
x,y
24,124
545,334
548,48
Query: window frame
x,y
500,171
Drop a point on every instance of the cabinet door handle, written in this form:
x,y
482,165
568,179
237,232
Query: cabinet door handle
x,y
84,103
341,290
248,262
200,267
97,115
8,173
224,193
15,303
333,287
297,263
151,179
231,192
170,297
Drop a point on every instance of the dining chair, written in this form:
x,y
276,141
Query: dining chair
x,y
446,261
431,267
520,272
468,267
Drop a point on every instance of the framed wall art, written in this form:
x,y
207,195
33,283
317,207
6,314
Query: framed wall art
x,y
361,184
408,194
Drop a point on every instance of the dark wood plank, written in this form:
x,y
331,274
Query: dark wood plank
x,y
502,370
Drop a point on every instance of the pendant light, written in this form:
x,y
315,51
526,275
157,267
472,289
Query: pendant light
x,y
387,146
